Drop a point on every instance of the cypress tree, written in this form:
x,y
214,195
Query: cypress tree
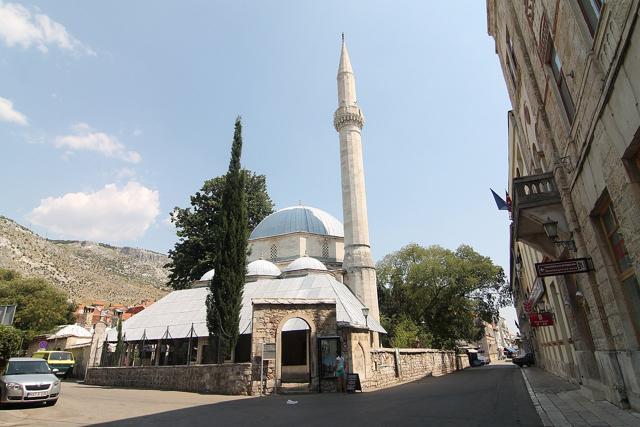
x,y
225,296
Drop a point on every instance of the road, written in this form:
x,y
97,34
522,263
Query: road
x,y
486,396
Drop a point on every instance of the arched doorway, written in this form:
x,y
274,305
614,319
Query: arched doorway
x,y
295,355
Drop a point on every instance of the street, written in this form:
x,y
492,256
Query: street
x,y
490,395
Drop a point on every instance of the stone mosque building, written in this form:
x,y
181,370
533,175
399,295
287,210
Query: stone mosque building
x,y
310,288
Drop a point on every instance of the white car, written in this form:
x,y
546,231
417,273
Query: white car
x,y
26,379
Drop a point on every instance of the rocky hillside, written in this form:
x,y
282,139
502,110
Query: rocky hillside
x,y
87,271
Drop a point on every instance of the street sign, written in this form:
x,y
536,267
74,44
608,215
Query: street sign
x,y
42,345
567,266
541,319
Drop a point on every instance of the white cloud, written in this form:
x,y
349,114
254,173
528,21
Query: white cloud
x,y
86,139
18,27
110,214
124,173
8,114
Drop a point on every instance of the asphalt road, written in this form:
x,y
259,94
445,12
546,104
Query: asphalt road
x,y
488,396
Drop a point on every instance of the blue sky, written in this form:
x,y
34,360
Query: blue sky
x,y
113,113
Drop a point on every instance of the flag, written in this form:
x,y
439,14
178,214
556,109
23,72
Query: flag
x,y
502,205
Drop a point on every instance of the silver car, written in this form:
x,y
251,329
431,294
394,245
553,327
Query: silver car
x,y
27,379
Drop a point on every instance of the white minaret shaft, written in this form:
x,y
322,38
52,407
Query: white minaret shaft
x,y
360,274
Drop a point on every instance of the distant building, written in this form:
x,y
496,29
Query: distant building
x,y
573,76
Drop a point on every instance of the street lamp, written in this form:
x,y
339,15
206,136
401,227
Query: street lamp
x,y
365,313
551,230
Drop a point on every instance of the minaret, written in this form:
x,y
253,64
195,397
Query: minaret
x,y
360,274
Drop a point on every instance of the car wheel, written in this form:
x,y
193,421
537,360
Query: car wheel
x,y
52,402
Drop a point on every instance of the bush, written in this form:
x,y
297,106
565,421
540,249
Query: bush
x,y
10,342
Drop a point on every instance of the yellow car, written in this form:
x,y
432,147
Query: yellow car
x,y
60,362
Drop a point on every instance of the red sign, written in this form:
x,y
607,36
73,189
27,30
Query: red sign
x,y
541,319
569,266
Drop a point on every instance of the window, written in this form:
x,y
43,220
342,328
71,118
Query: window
x,y
325,249
512,64
624,264
561,83
274,253
591,10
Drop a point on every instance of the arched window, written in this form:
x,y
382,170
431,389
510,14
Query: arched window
x,y
274,253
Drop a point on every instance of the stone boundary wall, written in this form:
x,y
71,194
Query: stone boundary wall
x,y
396,366
232,378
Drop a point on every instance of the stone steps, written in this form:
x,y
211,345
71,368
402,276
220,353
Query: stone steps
x,y
294,388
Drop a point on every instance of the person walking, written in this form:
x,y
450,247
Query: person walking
x,y
340,373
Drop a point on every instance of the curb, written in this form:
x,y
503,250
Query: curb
x,y
546,421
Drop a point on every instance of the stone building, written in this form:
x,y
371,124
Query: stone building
x,y
572,70
310,288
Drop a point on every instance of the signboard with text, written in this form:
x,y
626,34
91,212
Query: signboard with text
x,y
541,319
269,351
567,266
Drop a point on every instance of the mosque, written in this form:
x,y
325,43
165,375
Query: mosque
x,y
310,289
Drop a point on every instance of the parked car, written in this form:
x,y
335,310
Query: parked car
x,y
26,379
524,360
479,360
60,362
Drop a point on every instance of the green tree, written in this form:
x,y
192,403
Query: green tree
x,y
195,252
40,306
225,297
10,340
440,292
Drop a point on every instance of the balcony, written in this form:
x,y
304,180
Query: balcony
x,y
536,198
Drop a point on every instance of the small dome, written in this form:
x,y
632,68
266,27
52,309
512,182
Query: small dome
x,y
208,275
305,263
261,267
296,219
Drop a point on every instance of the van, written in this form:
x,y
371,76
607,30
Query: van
x,y
60,362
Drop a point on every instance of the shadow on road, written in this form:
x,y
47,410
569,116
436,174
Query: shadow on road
x,y
490,395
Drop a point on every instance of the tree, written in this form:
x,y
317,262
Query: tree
x,y
437,294
225,297
40,306
195,252
10,341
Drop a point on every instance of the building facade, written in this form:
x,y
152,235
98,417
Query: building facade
x,y
572,70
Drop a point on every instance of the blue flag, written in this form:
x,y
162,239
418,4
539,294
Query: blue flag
x,y
502,205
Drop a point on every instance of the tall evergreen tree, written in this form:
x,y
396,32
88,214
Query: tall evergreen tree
x,y
225,296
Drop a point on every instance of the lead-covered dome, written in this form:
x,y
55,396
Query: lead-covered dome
x,y
305,263
208,275
298,219
261,267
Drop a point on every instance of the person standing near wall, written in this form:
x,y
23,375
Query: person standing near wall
x,y
340,373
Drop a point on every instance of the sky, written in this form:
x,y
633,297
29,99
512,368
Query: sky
x,y
113,113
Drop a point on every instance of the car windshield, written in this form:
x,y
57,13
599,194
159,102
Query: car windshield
x,y
22,367
60,355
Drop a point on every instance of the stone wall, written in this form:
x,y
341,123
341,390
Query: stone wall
x,y
219,379
396,366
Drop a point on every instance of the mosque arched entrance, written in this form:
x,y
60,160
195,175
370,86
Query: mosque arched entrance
x,y
295,355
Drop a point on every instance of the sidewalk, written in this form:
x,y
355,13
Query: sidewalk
x,y
560,403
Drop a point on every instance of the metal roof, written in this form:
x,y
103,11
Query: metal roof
x,y
179,310
298,219
71,331
261,267
304,263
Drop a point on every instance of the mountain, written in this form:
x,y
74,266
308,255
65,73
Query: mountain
x,y
87,271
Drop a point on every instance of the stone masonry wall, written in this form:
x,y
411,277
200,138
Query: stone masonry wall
x,y
234,379
396,366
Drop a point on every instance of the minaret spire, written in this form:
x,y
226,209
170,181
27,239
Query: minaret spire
x,y
360,274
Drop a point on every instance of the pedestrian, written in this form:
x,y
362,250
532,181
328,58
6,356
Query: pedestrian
x,y
340,373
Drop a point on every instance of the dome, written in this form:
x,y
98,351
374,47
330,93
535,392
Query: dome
x,y
305,263
208,275
261,267
298,219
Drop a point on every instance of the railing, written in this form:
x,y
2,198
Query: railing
x,y
534,190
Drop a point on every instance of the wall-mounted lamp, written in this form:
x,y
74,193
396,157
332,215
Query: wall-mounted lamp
x,y
551,230
365,313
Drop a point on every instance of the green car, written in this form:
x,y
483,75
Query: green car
x,y
60,362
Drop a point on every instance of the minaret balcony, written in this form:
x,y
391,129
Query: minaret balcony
x,y
348,114
536,200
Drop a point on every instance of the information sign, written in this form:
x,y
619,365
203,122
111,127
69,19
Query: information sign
x,y
353,383
567,266
541,319
7,313
269,351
